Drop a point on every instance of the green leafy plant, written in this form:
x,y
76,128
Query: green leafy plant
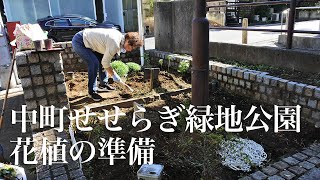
x,y
121,68
161,62
184,66
133,67
147,61
8,172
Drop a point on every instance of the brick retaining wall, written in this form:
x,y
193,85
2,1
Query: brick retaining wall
x,y
43,83
258,85
73,63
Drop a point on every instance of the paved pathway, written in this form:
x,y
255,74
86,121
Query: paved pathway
x,y
304,165
11,132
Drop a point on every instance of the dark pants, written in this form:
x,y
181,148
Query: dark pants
x,y
93,60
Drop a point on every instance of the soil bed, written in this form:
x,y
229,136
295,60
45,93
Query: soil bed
x,y
77,90
188,155
289,74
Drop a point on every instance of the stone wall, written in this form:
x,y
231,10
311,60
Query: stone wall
x,y
173,25
258,85
43,83
301,42
73,63
307,61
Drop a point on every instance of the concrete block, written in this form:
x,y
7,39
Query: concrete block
x,y
61,177
23,71
241,83
253,76
312,103
240,74
31,105
300,156
309,152
58,172
309,90
259,77
306,111
21,58
262,89
269,90
246,75
314,160
274,81
315,115
291,86
76,173
28,94
297,170
282,83
317,93
235,72
225,78
40,92
37,80
275,177
270,170
236,81
306,165
33,58
49,79
299,88
51,89
266,79
61,88
287,175
35,70
26,82
302,101
248,85
43,102
259,175
44,174
280,165
59,77
47,68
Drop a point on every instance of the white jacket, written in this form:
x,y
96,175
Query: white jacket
x,y
104,41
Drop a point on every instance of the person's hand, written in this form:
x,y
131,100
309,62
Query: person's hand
x,y
116,77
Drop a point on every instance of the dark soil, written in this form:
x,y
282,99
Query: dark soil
x,y
77,90
188,155
289,74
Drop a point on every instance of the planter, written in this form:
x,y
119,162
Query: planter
x,y
147,73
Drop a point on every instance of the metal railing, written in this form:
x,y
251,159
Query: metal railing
x,y
290,28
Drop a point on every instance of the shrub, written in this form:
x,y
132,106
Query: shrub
x,y
183,66
133,67
121,68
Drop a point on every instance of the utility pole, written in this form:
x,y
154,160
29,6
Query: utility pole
x,y
200,55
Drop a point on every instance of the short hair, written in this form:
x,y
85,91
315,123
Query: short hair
x,y
134,39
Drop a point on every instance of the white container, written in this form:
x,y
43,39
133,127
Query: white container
x,y
150,172
256,17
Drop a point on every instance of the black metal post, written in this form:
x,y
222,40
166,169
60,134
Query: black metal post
x,y
200,55
292,14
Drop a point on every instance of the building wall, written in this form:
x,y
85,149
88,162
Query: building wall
x,y
28,11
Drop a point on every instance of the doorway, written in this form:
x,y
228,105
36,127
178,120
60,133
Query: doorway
x,y
130,15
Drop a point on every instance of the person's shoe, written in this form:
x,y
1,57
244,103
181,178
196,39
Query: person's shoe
x,y
95,96
105,88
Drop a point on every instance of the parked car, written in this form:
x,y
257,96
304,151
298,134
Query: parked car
x,y
63,28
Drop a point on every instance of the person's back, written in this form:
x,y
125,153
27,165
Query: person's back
x,y
100,39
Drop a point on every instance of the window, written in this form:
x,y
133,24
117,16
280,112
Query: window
x,y
79,22
61,22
